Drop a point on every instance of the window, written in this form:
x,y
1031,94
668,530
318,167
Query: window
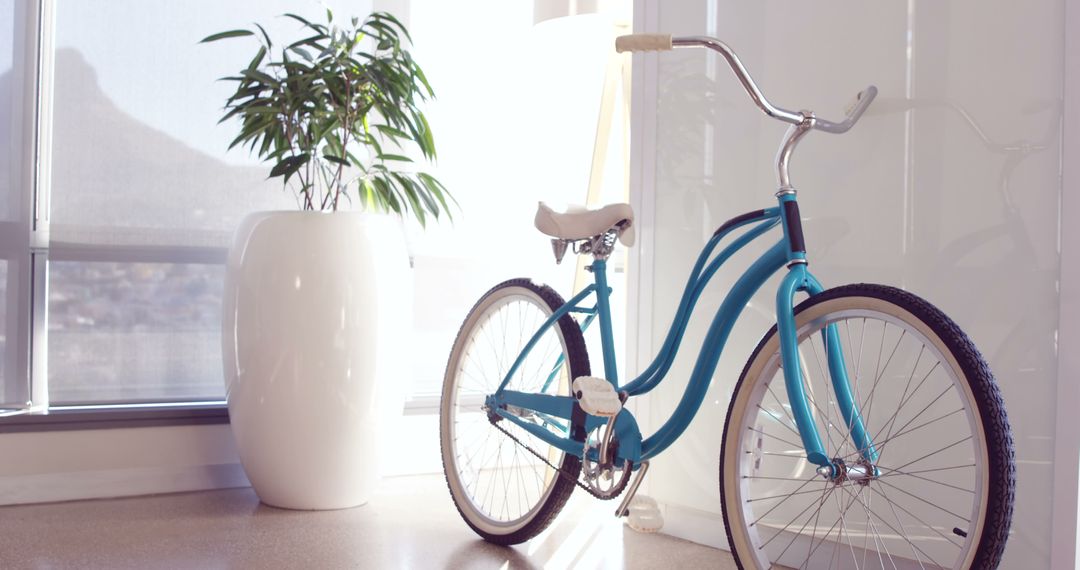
x,y
514,127
14,232
136,197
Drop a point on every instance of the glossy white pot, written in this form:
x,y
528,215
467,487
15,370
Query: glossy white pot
x,y
307,355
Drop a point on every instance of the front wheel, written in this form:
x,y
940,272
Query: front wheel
x,y
940,493
506,492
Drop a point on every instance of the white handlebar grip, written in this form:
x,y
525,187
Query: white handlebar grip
x,y
643,42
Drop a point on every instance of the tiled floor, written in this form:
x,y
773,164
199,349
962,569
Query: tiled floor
x,y
411,523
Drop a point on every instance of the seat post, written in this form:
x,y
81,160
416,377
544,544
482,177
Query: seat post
x,y
603,309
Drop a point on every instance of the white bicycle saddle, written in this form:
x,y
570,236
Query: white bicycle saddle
x,y
581,223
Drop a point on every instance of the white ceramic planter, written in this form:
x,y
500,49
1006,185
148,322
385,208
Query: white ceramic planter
x,y
302,345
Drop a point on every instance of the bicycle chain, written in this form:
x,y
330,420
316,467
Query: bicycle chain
x,y
558,470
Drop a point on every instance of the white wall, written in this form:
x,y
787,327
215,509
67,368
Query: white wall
x,y
68,465
909,197
91,464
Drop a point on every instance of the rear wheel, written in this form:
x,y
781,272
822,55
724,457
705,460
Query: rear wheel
x,y
945,475
505,493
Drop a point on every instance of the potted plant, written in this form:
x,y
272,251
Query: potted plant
x,y
337,113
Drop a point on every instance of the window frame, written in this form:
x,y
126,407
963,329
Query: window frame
x,y
26,405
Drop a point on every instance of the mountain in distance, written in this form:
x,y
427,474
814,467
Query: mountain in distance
x,y
117,180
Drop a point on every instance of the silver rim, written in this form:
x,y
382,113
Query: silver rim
x,y
922,416
499,486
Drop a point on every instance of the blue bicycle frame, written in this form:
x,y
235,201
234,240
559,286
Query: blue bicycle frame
x,y
565,426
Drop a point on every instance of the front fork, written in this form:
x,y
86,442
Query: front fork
x,y
799,279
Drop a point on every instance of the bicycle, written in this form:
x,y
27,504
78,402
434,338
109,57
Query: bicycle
x,y
916,466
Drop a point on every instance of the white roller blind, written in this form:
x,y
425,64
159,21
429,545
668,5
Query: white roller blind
x,y
144,197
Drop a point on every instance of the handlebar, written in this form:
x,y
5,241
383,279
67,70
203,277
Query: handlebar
x,y
854,112
664,42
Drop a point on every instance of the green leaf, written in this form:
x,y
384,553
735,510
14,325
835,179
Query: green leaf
x,y
299,50
391,131
266,36
316,27
289,165
428,147
260,76
394,157
258,59
336,159
312,41
228,34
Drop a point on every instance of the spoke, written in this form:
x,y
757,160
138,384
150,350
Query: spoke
x,y
813,533
792,494
921,412
843,513
934,469
903,533
917,519
881,374
903,397
468,460
913,545
774,507
500,362
778,420
904,402
935,505
796,454
768,478
862,343
881,444
781,404
843,528
827,492
762,432
951,445
491,481
877,535
897,472
517,472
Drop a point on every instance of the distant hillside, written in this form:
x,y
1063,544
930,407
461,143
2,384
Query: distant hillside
x,y
110,170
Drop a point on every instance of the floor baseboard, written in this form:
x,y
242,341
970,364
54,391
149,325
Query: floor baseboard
x,y
55,487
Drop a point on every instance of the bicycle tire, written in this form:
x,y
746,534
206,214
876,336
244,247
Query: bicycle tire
x,y
534,511
750,480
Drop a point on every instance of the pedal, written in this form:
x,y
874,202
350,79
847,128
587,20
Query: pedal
x,y
597,396
644,514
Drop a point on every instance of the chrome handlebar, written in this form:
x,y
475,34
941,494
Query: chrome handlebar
x,y
855,110
663,42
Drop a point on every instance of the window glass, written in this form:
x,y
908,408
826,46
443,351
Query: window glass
x,y
14,234
3,323
134,332
141,177
141,180
8,84
514,127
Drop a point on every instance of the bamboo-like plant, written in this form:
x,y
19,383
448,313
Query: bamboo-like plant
x,y
337,110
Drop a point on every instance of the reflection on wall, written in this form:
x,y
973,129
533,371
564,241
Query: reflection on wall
x,y
948,187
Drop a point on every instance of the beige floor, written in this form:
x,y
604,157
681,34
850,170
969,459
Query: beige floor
x,y
411,523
